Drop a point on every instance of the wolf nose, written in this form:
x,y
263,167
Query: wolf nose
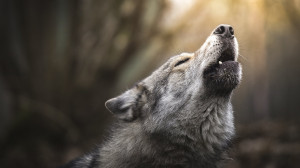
x,y
224,31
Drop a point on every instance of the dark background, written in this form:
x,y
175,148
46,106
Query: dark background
x,y
60,60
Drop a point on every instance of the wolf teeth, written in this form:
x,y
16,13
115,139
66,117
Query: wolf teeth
x,y
220,62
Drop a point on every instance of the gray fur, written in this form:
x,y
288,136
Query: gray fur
x,y
179,116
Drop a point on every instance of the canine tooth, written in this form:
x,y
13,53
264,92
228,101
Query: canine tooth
x,y
220,62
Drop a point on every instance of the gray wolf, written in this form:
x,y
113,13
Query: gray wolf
x,y
179,116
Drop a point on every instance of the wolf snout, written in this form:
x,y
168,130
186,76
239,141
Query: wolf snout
x,y
224,30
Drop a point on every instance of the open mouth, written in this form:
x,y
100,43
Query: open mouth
x,y
222,75
226,55
225,62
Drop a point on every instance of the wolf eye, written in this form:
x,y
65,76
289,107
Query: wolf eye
x,y
181,62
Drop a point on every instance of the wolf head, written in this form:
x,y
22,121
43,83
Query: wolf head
x,y
186,91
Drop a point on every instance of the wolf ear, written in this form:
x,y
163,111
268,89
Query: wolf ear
x,y
126,106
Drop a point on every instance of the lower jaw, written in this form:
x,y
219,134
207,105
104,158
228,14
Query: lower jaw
x,y
221,79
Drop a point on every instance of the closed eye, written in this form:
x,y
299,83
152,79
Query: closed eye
x,y
181,62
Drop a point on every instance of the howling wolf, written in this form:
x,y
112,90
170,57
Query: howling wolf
x,y
179,116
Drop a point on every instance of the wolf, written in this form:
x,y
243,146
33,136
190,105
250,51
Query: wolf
x,y
178,117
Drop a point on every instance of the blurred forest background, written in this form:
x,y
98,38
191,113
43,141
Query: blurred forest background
x,y
60,60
